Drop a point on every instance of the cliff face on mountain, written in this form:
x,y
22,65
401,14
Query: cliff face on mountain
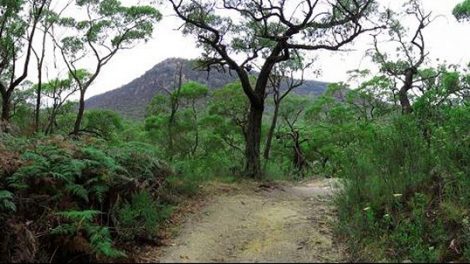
x,y
132,99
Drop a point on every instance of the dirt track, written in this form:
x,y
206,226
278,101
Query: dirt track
x,y
281,223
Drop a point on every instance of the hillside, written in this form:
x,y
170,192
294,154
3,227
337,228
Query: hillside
x,y
131,99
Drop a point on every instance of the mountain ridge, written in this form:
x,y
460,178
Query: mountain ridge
x,y
131,99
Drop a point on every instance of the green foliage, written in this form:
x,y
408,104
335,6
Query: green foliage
x,y
6,201
108,28
138,158
103,123
141,216
193,91
173,120
227,118
111,22
79,222
72,185
414,185
462,10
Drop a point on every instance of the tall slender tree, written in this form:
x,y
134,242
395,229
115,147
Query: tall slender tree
x,y
18,26
47,22
411,49
107,28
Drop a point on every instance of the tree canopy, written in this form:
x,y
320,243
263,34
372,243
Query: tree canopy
x,y
462,11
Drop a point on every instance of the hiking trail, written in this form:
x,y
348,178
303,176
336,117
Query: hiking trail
x,y
261,223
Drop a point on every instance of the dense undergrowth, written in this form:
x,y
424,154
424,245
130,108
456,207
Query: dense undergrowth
x,y
406,191
64,199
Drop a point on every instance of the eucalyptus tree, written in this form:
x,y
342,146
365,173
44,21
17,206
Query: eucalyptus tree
x,y
48,20
98,32
235,34
18,26
174,117
193,93
168,104
373,96
411,49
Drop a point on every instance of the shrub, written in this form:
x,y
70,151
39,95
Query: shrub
x,y
413,181
140,217
73,188
80,234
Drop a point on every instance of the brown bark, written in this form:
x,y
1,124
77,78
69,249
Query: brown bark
x,y
252,148
7,90
405,102
299,160
40,61
403,93
269,137
6,107
255,116
81,111
50,126
38,100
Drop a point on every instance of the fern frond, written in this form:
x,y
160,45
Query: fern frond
x,y
77,190
86,215
4,194
101,243
100,191
6,201
9,205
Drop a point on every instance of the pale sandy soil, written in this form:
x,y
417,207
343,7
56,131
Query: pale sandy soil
x,y
257,223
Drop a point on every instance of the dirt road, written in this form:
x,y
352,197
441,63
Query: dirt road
x,y
257,223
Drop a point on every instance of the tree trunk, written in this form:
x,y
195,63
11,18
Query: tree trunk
x,y
38,103
403,93
252,150
405,101
171,123
6,107
196,128
299,160
50,126
174,99
81,111
270,135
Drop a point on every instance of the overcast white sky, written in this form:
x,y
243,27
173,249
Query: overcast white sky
x,y
446,39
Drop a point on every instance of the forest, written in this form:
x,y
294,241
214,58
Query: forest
x,y
91,185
